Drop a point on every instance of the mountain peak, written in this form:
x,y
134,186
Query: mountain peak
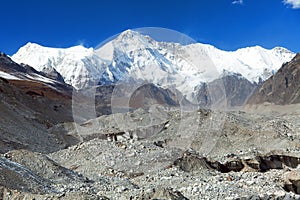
x,y
281,50
31,45
78,65
132,37
129,34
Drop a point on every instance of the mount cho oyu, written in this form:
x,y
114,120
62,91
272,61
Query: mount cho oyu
x,y
132,55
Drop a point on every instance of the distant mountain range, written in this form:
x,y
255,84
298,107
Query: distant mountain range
x,y
133,56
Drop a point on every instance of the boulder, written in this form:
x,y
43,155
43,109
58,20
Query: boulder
x,y
292,181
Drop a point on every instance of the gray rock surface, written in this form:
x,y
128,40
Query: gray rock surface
x,y
164,154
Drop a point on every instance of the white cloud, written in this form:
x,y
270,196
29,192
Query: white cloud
x,y
240,2
293,3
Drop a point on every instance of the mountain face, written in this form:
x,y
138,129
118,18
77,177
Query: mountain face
x,y
79,66
236,89
281,88
132,56
25,73
30,104
148,95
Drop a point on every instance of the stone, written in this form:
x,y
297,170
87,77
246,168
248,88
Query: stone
x,y
292,181
167,193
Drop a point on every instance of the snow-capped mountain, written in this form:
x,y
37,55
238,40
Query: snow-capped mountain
x,y
132,55
12,71
79,66
251,62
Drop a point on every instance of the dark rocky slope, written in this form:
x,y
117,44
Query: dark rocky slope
x,y
282,88
29,107
231,89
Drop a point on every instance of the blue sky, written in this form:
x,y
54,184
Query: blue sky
x,y
225,24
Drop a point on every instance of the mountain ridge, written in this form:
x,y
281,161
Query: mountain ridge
x,y
282,88
136,56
